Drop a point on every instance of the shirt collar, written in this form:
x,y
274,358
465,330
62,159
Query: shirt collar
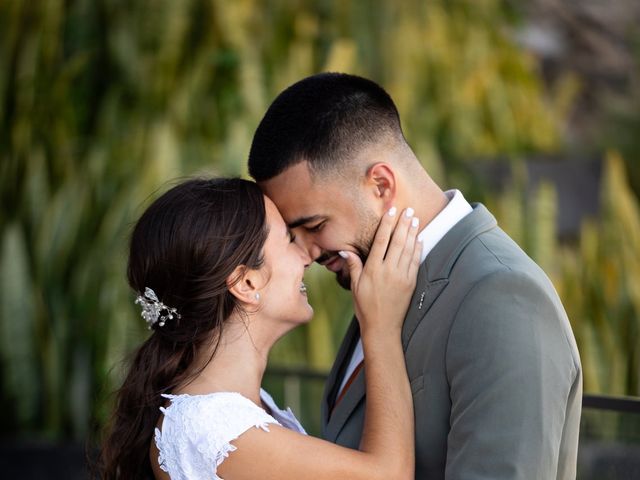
x,y
456,210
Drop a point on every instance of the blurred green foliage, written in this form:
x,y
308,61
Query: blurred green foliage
x,y
104,102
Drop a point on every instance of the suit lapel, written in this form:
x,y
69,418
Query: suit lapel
x,y
351,399
337,371
423,297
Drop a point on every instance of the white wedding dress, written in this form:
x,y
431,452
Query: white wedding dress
x,y
197,430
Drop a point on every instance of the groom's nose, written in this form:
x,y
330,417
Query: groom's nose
x,y
309,247
304,255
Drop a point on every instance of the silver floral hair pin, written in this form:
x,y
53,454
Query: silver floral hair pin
x,y
153,310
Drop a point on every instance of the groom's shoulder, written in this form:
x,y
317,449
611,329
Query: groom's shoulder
x,y
493,251
494,266
481,256
493,263
477,246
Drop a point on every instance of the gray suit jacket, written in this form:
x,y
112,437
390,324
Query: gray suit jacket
x,y
493,365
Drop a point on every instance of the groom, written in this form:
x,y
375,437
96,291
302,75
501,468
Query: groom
x,y
493,364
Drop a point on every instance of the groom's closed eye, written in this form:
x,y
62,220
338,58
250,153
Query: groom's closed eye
x,y
314,228
305,221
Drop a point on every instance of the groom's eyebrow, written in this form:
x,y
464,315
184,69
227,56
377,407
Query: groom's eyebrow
x,y
301,221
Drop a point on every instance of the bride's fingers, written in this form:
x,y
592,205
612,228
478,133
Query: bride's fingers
x,y
416,260
407,254
381,239
354,264
399,238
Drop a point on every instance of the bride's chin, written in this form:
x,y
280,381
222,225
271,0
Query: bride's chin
x,y
307,318
297,321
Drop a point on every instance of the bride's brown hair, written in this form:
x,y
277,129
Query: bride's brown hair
x,y
184,247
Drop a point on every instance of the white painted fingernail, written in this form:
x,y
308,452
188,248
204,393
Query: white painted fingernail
x,y
392,211
409,212
415,222
343,254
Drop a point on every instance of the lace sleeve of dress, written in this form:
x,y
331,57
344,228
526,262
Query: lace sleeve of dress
x,y
197,432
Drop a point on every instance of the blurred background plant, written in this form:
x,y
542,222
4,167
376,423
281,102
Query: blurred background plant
x,y
105,103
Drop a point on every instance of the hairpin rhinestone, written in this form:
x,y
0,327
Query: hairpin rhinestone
x,y
153,310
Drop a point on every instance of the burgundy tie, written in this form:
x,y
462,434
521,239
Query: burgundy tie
x,y
352,377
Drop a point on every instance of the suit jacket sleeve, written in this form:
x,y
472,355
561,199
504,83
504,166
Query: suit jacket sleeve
x,y
510,368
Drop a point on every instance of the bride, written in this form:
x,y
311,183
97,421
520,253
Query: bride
x,y
219,279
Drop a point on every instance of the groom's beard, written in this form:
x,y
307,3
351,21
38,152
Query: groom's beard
x,y
342,276
362,246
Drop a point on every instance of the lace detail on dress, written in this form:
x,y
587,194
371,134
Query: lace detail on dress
x,y
158,439
197,432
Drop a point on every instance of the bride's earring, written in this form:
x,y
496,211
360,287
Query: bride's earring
x,y
257,296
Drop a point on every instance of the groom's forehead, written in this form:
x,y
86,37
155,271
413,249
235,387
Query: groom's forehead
x,y
301,209
292,188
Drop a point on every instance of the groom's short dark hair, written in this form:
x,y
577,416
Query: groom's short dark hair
x,y
323,119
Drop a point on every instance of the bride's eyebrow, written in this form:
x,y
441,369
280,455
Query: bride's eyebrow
x,y
301,221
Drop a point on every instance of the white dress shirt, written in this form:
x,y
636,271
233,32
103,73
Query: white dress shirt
x,y
456,210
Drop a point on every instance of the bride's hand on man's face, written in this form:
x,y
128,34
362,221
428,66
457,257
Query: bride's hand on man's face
x,y
383,287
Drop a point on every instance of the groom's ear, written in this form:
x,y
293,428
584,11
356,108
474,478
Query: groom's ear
x,y
381,180
242,285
